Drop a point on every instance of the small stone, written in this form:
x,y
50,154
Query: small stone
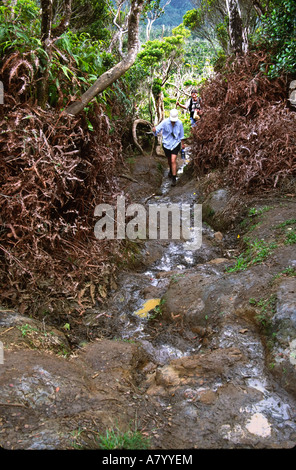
x,y
218,236
207,397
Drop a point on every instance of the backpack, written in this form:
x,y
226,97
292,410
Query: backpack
x,y
192,107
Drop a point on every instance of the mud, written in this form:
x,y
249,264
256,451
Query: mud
x,y
210,366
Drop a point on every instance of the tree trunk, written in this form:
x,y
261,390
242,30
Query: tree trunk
x,y
46,26
48,35
109,77
159,104
235,26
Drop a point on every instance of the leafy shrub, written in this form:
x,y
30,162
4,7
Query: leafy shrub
x,y
279,31
20,27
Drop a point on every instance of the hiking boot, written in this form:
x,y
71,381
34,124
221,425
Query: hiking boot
x,y
174,181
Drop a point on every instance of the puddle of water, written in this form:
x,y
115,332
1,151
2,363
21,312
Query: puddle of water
x,y
153,280
271,407
271,404
248,343
257,384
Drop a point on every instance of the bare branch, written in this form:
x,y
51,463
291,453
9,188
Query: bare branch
x,y
153,16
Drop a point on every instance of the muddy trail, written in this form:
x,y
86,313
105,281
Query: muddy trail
x,y
190,348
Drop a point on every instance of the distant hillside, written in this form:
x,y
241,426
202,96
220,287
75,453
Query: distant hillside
x,y
174,13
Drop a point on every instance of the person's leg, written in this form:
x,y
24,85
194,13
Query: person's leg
x,y
170,165
174,164
174,169
168,154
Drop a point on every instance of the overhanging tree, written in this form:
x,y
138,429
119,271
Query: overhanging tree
x,y
110,76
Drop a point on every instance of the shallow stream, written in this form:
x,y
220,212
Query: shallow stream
x,y
132,302
259,408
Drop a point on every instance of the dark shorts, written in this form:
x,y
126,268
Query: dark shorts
x,y
175,151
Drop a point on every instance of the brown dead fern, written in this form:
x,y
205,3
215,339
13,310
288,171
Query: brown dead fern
x,y
246,129
54,170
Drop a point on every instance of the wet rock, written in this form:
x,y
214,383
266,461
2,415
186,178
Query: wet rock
x,y
152,253
213,207
51,395
206,298
197,376
285,316
222,208
188,369
150,292
218,200
283,352
191,290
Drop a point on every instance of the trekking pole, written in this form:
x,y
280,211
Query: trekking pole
x,y
178,96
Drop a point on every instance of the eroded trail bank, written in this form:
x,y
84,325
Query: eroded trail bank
x,y
212,366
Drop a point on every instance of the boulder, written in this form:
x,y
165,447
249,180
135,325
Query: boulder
x,y
292,93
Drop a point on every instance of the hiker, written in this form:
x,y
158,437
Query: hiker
x,y
193,105
172,139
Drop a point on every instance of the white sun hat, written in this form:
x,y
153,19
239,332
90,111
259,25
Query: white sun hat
x,y
174,115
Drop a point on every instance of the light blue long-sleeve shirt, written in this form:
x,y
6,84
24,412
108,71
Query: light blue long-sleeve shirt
x,y
171,134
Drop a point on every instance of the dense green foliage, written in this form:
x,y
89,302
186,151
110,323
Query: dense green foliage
x,y
19,30
162,60
92,17
279,33
80,55
176,61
